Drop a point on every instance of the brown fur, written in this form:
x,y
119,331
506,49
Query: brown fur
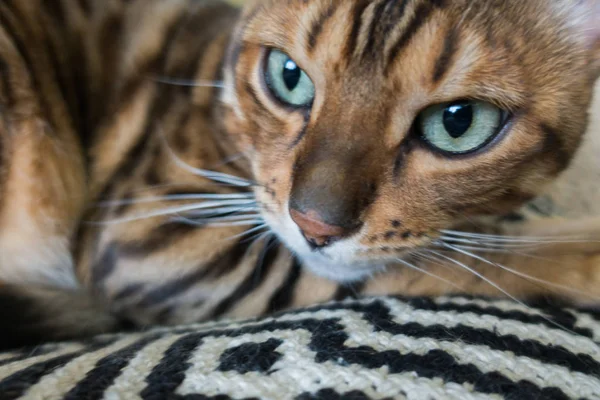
x,y
85,119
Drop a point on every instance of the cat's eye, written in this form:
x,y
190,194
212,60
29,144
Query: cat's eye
x,y
287,81
460,127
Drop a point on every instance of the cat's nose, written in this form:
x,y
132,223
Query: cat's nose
x,y
317,232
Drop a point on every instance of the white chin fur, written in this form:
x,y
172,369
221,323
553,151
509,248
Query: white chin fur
x,y
336,262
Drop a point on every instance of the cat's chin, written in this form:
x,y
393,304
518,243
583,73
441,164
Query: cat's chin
x,y
338,272
337,262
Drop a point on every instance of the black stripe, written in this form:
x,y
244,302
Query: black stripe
x,y
17,384
128,291
317,26
5,77
446,57
158,239
351,290
331,394
384,19
84,5
565,319
328,342
553,146
253,281
161,106
379,315
28,353
303,132
106,370
221,265
421,15
105,265
436,364
168,375
357,14
13,34
58,41
403,151
375,23
284,296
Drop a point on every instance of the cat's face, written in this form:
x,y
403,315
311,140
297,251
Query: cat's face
x,y
372,125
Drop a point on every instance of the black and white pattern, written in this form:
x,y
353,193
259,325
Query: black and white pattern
x,y
383,348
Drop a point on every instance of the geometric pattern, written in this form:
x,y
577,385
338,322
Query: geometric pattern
x,y
375,348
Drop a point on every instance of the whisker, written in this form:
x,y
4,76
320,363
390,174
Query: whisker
x,y
223,211
234,223
431,259
212,221
180,197
508,238
231,159
249,231
257,236
173,210
189,83
493,244
461,250
498,287
423,271
212,175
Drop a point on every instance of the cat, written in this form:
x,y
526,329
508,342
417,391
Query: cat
x,y
173,161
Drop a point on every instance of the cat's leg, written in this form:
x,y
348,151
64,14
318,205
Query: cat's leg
x,y
42,174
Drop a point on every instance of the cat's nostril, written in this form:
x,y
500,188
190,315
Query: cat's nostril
x,y
316,232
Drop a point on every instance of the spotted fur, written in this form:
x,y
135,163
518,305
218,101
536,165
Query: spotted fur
x,y
145,168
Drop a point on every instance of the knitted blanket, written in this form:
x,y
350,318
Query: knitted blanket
x,y
445,348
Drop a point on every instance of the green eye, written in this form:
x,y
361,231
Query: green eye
x,y
288,82
460,127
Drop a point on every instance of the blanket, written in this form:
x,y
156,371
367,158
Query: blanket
x,y
374,348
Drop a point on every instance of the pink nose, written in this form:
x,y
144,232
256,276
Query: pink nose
x,y
316,232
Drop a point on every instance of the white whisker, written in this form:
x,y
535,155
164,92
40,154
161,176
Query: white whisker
x,y
249,231
178,197
430,258
222,211
258,236
461,250
235,223
496,286
212,175
173,210
498,244
233,218
231,159
189,83
423,271
517,239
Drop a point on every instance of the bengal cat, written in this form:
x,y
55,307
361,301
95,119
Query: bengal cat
x,y
171,161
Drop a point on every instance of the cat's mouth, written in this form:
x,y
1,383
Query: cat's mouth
x,y
345,260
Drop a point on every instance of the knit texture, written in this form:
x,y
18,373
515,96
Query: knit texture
x,y
381,348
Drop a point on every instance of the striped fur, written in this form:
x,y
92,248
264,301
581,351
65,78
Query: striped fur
x,y
123,120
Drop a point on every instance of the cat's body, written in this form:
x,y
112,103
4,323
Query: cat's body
x,y
100,123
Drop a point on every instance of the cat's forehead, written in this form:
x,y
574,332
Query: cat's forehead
x,y
376,24
415,44
422,40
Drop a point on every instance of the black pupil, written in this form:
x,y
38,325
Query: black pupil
x,y
458,118
291,74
